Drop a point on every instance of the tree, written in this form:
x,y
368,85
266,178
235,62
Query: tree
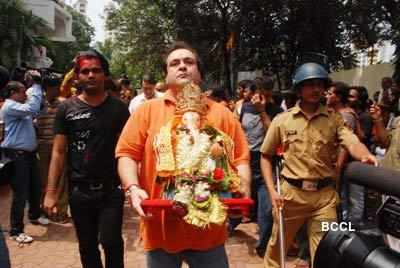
x,y
140,32
210,26
18,33
272,36
388,11
374,21
105,48
62,53
239,35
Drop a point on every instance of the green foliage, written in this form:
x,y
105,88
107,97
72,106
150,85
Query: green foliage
x,y
208,25
389,13
18,32
241,35
140,30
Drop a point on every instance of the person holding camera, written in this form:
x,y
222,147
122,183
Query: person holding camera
x,y
20,144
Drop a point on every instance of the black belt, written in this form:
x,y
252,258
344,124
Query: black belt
x,y
17,152
321,183
93,186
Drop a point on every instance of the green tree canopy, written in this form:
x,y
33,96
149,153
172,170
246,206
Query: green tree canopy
x,y
140,30
240,35
18,32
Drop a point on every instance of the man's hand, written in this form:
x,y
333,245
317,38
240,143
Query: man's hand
x,y
375,112
258,100
33,74
137,195
50,202
245,190
277,201
370,159
244,173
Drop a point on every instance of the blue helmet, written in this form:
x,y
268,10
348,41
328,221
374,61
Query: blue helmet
x,y
308,71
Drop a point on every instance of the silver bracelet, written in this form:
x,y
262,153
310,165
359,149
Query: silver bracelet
x,y
132,188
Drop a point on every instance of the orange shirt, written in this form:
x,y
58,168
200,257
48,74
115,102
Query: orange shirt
x,y
136,142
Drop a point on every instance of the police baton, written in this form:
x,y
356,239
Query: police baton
x,y
278,167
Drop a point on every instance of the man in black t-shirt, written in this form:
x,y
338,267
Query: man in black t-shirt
x,y
86,129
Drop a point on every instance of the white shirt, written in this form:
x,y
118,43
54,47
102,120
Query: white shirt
x,y
139,99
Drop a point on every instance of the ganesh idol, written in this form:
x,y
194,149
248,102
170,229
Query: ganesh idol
x,y
194,162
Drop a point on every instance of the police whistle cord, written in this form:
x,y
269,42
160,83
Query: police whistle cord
x,y
281,221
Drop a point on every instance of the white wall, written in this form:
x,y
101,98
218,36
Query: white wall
x,y
369,76
58,20
44,9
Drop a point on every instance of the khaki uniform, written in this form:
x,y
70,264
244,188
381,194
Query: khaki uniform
x,y
392,156
310,150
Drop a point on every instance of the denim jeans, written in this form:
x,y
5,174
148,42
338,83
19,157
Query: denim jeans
x,y
25,184
352,202
262,201
97,215
264,217
343,214
212,258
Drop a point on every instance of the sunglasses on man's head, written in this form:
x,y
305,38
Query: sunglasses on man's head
x,y
93,70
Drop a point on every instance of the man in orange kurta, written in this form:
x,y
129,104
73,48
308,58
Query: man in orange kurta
x,y
167,238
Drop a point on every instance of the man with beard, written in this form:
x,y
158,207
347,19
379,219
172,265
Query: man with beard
x,y
89,126
170,240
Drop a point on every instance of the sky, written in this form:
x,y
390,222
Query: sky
x,y
95,11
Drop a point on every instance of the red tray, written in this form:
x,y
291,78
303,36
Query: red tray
x,y
235,205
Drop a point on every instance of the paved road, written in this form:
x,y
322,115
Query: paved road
x,y
55,246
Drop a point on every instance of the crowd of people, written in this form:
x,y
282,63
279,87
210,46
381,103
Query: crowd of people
x,y
80,145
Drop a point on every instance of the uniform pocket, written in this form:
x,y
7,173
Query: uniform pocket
x,y
323,148
293,144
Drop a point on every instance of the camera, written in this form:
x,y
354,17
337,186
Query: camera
x,y
362,249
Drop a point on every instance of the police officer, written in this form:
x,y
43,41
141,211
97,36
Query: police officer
x,y
308,133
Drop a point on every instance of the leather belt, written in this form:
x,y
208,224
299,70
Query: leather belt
x,y
93,186
17,152
319,183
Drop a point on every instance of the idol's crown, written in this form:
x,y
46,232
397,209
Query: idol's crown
x,y
190,99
